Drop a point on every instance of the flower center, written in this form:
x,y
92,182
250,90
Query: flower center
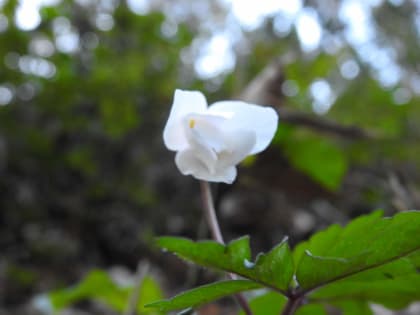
x,y
191,123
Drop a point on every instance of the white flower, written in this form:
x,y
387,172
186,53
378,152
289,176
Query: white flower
x,y
210,141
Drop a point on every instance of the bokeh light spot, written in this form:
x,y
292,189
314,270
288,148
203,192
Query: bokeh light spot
x,y
104,22
216,57
308,29
11,60
402,96
140,7
4,23
322,95
290,88
6,95
349,69
27,16
26,91
42,47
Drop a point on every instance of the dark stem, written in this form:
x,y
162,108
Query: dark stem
x,y
211,218
292,305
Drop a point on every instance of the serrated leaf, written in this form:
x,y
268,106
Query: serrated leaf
x,y
274,269
203,295
394,292
276,265
366,243
371,259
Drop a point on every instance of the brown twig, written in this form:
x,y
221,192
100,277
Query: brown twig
x,y
292,305
323,125
265,88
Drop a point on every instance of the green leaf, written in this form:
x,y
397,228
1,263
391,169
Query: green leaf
x,y
354,307
415,259
311,309
204,294
395,292
371,259
150,291
98,285
319,158
270,303
274,269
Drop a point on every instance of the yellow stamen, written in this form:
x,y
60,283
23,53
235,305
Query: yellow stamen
x,y
192,123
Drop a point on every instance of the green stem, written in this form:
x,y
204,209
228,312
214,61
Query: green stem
x,y
211,218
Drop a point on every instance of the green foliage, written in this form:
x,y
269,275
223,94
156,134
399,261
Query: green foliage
x,y
318,157
305,71
99,286
311,309
22,276
149,291
118,118
349,307
81,158
372,259
204,294
88,141
270,303
395,292
382,116
366,243
274,269
96,121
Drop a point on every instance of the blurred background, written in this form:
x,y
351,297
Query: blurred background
x,y
85,90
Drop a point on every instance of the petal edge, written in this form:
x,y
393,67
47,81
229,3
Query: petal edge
x,y
263,120
185,102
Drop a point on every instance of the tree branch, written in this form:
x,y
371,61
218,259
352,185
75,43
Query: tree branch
x,y
265,88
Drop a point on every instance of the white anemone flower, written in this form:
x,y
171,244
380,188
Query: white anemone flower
x,y
211,141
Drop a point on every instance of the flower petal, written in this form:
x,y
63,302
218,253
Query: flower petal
x,y
185,102
209,128
240,144
189,164
226,175
244,116
205,154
